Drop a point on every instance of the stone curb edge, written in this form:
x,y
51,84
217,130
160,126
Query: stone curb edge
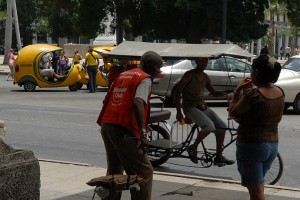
x,y
175,175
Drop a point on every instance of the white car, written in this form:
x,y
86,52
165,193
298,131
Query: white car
x,y
225,74
289,81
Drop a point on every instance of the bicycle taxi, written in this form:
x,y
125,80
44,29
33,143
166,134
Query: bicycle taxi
x,y
28,71
167,141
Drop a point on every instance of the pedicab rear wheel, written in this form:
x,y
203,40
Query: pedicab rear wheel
x,y
75,86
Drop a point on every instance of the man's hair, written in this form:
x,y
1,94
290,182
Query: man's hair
x,y
151,59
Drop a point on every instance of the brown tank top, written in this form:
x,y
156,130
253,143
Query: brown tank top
x,y
192,94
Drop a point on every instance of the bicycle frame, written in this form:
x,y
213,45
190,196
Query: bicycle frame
x,y
162,147
177,148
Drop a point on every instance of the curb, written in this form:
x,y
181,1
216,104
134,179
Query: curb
x,y
208,179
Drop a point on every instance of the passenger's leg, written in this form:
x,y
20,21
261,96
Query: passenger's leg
x,y
199,117
220,131
203,121
220,125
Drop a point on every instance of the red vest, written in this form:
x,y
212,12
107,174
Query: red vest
x,y
118,103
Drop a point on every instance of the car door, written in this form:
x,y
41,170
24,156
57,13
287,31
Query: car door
x,y
237,70
218,76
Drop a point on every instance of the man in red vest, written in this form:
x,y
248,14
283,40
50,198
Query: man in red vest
x,y
124,119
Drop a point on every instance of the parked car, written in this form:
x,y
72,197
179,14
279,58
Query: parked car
x,y
225,74
289,81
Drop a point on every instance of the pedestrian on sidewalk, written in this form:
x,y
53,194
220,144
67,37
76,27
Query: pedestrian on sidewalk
x,y
257,106
281,52
296,51
91,64
11,64
287,52
124,121
264,51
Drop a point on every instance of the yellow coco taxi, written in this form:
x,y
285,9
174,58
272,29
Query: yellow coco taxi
x,y
33,68
101,79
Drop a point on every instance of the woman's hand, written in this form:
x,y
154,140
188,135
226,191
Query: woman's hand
x,y
245,83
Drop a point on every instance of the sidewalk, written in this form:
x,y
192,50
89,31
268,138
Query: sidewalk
x,y
67,181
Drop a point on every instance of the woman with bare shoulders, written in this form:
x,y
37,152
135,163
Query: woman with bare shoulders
x,y
257,106
11,63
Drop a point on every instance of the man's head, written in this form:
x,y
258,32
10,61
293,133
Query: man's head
x,y
201,63
151,63
91,48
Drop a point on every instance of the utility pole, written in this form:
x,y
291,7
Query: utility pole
x,y
11,9
16,20
8,30
224,22
119,19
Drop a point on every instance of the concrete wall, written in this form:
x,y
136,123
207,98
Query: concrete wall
x,y
19,174
69,49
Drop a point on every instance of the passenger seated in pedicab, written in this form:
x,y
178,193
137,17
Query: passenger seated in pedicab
x,y
45,70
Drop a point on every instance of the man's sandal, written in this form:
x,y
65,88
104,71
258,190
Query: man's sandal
x,y
193,155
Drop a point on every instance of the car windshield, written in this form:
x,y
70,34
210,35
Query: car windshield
x,y
293,64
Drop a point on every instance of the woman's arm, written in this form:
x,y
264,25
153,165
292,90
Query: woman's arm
x,y
239,103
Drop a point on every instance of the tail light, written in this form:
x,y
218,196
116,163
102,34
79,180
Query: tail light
x,y
17,67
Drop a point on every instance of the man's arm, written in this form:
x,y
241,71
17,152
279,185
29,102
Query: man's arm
x,y
212,90
138,109
140,101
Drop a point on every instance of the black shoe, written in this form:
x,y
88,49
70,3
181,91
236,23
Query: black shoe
x,y
222,161
193,155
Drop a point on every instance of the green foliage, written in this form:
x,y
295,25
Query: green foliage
x,y
63,18
26,14
191,20
293,7
197,19
90,15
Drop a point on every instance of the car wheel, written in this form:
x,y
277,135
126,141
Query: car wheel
x,y
296,104
76,86
29,86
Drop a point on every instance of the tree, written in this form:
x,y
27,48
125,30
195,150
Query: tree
x,y
293,11
2,23
198,19
63,18
27,14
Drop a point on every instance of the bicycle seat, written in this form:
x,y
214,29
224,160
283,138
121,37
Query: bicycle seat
x,y
158,116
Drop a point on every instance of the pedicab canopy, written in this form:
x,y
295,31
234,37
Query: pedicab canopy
x,y
134,50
